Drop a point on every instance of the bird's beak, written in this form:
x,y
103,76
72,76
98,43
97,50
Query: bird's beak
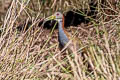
x,y
50,18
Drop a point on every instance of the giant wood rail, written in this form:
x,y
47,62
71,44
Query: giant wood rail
x,y
65,39
63,36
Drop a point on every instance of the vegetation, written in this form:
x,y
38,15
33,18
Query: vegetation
x,y
34,54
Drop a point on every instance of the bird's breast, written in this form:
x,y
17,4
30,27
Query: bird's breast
x,y
62,37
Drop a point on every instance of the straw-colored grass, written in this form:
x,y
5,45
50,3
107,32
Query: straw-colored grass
x,y
34,54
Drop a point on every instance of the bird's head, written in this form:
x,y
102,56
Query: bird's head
x,y
56,16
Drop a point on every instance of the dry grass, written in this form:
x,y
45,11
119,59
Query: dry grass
x,y
34,54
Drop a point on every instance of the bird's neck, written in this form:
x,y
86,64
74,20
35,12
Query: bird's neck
x,y
61,25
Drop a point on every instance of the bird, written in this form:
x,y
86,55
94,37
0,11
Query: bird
x,y
63,36
65,39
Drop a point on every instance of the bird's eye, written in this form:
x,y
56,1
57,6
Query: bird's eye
x,y
57,14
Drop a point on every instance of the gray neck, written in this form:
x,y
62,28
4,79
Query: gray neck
x,y
63,39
